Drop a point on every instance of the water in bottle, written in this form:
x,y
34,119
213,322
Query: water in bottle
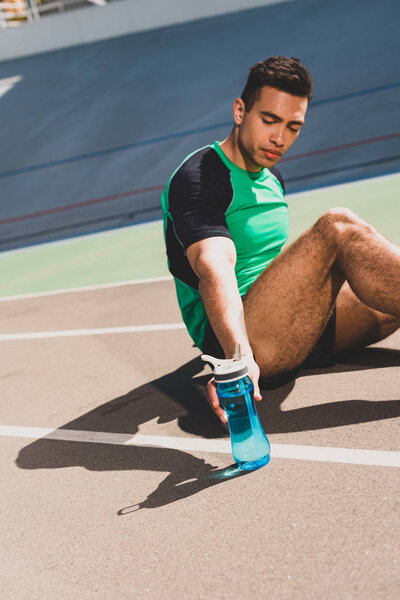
x,y
250,446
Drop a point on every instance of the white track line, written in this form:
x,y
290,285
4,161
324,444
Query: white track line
x,y
291,451
89,288
39,335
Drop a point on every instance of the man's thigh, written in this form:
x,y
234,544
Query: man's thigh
x,y
288,306
357,325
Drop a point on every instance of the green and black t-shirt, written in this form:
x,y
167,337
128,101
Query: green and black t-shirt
x,y
208,195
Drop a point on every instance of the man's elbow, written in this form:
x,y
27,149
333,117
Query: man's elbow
x,y
216,270
212,257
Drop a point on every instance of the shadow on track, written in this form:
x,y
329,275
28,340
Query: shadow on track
x,y
332,414
182,395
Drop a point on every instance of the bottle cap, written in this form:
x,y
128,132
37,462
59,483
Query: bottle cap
x,y
227,369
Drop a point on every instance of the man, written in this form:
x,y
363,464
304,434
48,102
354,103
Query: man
x,y
336,288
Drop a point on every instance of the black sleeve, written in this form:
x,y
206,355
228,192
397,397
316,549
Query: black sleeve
x,y
279,177
198,197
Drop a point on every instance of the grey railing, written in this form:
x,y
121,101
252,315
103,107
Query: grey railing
x,y
18,12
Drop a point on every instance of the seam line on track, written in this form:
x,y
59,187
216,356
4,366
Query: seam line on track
x,y
179,134
159,187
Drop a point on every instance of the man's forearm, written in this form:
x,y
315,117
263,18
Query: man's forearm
x,y
224,307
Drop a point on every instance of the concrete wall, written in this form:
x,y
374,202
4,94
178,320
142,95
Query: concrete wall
x,y
118,18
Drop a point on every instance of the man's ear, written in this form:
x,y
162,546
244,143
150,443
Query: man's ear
x,y
238,110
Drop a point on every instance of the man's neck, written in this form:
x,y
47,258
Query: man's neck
x,y
232,150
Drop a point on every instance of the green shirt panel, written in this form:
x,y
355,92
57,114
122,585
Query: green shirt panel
x,y
257,219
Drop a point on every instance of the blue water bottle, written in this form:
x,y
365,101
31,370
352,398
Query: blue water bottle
x,y
250,446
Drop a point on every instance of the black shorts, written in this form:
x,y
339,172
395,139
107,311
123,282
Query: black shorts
x,y
322,355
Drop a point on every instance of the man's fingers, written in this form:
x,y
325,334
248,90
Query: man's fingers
x,y
257,395
221,414
256,392
214,401
212,393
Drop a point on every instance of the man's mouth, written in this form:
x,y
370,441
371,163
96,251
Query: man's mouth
x,y
271,153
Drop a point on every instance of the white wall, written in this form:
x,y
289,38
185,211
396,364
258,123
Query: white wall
x,y
119,18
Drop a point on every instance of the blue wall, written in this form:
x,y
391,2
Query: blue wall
x,y
102,122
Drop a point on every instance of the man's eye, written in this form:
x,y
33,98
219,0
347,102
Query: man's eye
x,y
267,122
295,129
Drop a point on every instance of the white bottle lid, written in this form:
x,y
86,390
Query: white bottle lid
x,y
227,369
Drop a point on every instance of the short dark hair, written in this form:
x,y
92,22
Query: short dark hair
x,y
280,72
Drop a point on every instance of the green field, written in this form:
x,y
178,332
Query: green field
x,y
138,252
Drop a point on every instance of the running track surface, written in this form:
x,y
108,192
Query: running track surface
x,y
119,482
113,458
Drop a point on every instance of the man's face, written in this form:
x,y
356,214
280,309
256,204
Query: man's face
x,y
267,131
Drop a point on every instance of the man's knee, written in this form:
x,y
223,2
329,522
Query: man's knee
x,y
337,216
338,223
273,363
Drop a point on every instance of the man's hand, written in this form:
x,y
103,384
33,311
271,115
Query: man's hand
x,y
254,374
213,260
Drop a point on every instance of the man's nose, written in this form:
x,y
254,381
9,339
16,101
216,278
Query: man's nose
x,y
277,136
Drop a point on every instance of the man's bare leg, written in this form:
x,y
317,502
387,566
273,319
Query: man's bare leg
x,y
287,307
357,325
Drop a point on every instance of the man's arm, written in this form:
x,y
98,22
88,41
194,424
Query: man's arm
x,y
213,260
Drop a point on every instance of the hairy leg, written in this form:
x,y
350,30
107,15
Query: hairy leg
x,y
287,307
357,325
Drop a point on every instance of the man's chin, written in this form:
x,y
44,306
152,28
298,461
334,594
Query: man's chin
x,y
270,162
